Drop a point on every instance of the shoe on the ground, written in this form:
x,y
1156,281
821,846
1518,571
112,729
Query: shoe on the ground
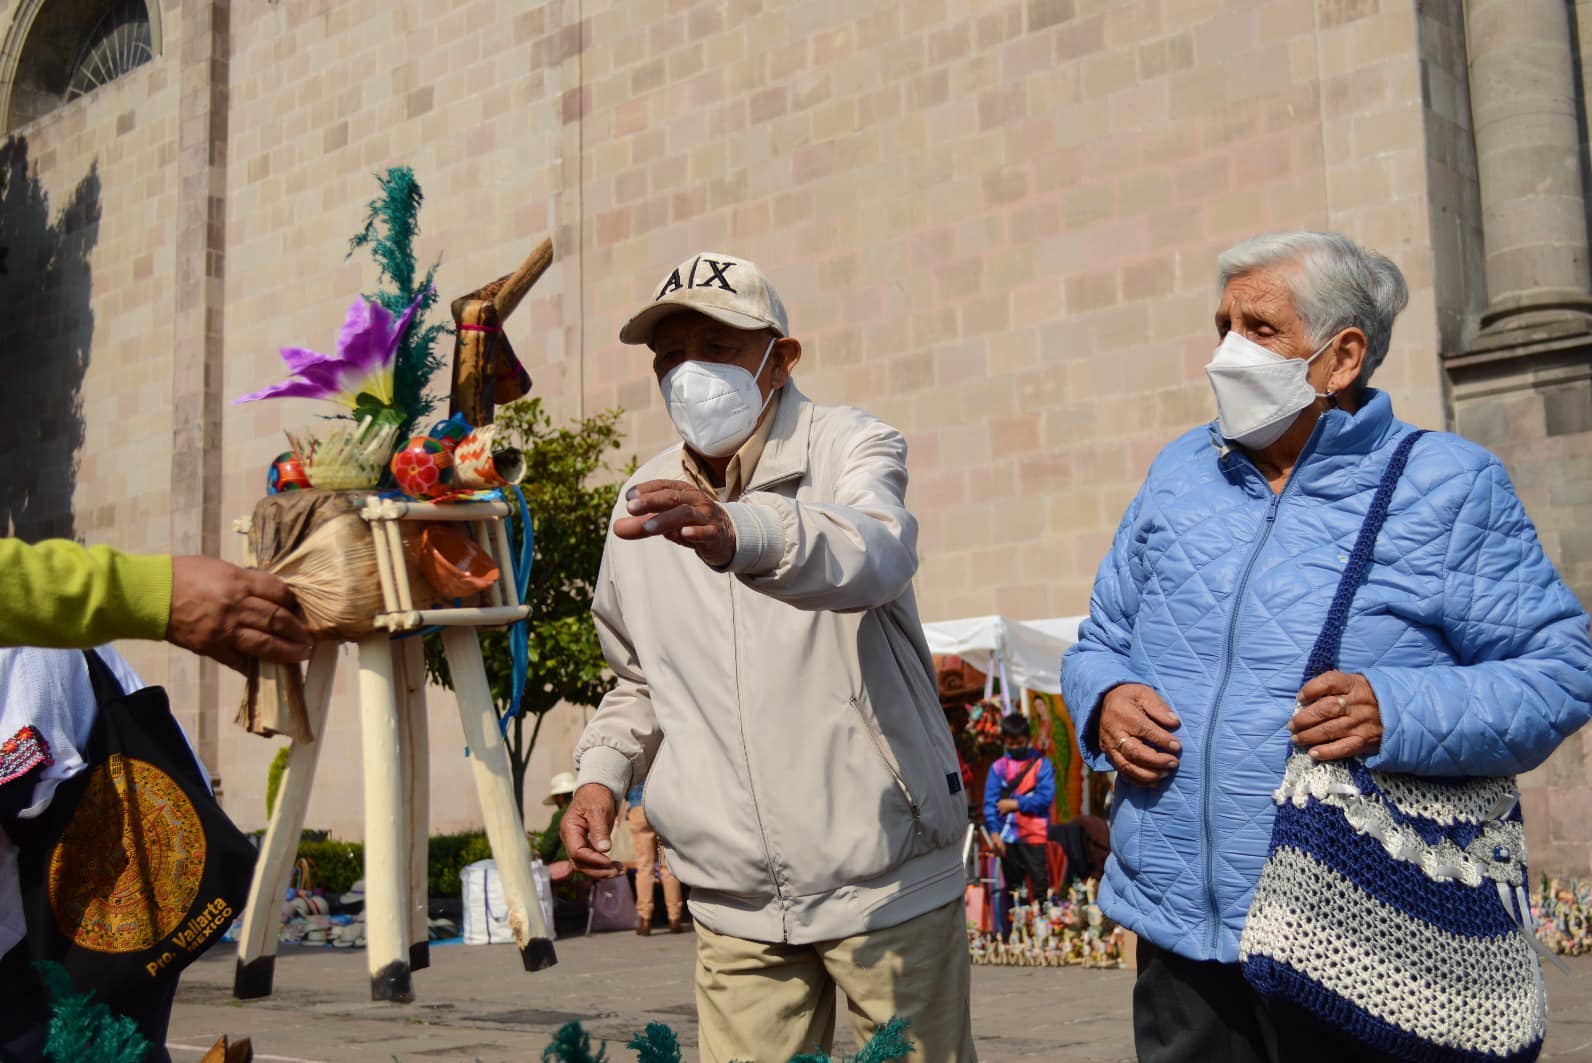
x,y
643,927
675,927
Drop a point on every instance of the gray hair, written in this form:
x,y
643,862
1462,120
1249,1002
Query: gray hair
x,y
1338,285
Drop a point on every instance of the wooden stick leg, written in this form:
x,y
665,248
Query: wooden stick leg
x,y
262,918
505,830
386,828
413,736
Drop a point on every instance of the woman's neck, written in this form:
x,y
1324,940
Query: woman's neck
x,y
1276,462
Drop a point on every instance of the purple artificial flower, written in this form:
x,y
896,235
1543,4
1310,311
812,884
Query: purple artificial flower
x,y
363,364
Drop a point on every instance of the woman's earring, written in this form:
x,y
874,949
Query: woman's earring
x,y
1332,400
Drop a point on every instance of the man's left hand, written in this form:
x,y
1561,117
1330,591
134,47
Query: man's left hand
x,y
681,513
1006,805
1338,717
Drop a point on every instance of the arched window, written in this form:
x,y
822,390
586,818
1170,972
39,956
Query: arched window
x,y
69,48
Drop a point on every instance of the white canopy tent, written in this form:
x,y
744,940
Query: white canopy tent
x,y
1026,654
1029,650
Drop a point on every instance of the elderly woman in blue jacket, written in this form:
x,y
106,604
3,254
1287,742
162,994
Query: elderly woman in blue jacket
x,y
1464,654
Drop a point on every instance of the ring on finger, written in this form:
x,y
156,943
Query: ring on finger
x,y
1122,742
1343,705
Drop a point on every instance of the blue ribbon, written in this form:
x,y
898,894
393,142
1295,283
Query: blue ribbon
x,y
520,632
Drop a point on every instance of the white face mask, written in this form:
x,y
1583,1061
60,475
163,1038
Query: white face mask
x,y
1259,393
714,406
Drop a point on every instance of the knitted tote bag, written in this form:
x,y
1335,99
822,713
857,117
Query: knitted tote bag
x,y
1393,907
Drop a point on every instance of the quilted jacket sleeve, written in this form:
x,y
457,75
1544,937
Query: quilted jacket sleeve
x,y
992,796
1522,681
1099,659
618,745
855,553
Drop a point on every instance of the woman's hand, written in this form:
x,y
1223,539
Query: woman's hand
x,y
1136,733
1338,717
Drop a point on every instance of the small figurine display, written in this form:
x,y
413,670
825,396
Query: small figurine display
x,y
1564,916
1052,933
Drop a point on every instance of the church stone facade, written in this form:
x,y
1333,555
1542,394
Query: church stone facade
x,y
995,225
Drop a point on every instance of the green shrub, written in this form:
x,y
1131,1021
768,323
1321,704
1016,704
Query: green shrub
x,y
338,865
447,854
273,779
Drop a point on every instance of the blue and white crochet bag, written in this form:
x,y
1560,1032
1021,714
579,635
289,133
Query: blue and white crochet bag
x,y
1393,907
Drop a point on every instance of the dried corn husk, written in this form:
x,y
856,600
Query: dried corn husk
x,y
333,574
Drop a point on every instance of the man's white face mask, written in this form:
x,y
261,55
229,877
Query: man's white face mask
x,y
715,406
1259,393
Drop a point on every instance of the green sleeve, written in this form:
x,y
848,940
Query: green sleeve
x,y
548,844
60,594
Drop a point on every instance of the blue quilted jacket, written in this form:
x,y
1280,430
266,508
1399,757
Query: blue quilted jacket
x,y
1213,593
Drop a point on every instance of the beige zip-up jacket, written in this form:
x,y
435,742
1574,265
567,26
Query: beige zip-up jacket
x,y
784,713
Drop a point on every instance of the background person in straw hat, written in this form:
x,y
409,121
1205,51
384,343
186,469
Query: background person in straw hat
x,y
550,847
775,693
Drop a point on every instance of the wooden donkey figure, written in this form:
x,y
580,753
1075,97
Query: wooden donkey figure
x,y
486,371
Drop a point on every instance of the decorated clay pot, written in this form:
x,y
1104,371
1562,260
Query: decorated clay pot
x,y
454,564
286,474
482,462
423,468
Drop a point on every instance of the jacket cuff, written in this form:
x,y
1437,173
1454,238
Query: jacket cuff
x,y
759,538
606,765
145,587
1089,726
1400,750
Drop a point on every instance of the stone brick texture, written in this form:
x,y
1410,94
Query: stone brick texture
x,y
995,226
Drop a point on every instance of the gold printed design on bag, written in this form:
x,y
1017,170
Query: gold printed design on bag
x,y
126,871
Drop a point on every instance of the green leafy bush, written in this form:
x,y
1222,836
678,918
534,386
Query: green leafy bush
x,y
447,854
338,864
273,779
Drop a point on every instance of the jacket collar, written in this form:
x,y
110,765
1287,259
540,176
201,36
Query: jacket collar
x,y
1339,432
786,455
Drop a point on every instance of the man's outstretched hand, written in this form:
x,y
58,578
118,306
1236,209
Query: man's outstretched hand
x,y
681,513
232,614
585,830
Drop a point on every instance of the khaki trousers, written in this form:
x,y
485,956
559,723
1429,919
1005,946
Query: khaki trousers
x,y
765,1003
646,842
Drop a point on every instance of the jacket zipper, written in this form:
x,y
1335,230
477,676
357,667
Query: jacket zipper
x,y
746,757
1208,829
901,784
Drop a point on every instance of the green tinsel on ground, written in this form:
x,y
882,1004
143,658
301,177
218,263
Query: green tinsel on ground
x,y
659,1044
656,1044
82,1031
391,224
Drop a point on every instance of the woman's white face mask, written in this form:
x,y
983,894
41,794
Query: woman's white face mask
x,y
715,406
1259,393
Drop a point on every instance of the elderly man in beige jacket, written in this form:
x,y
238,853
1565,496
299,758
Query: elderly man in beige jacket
x,y
775,692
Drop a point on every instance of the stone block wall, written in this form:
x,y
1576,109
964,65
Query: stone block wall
x,y
86,304
995,226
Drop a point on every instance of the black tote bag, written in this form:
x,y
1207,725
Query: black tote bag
x,y
133,870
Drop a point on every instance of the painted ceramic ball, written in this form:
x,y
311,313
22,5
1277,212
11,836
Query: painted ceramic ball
x,y
423,468
286,474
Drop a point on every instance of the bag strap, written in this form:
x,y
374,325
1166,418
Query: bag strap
x,y
1324,655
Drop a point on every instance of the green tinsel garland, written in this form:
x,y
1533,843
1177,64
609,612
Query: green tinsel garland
x,y
659,1044
392,222
82,1031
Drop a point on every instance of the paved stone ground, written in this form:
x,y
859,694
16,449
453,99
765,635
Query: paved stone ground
x,y
476,1004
